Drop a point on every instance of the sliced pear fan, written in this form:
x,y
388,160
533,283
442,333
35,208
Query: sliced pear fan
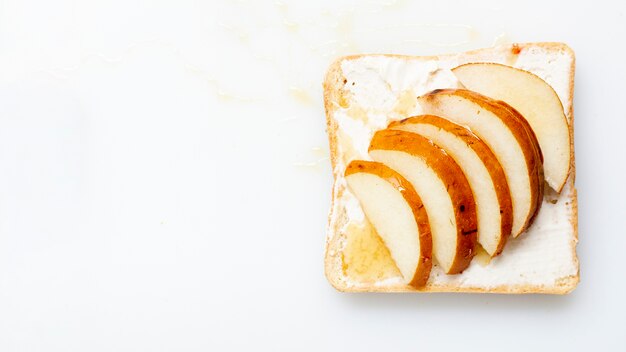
x,y
508,136
482,170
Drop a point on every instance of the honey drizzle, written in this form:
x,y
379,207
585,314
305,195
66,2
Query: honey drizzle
x,y
365,257
482,257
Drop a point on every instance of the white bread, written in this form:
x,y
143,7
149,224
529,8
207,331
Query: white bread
x,y
363,94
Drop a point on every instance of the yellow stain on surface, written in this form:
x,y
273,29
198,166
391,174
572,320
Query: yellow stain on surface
x,y
315,160
301,96
291,26
502,39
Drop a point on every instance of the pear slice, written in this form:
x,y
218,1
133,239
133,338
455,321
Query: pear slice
x,y
536,101
398,215
443,188
482,170
508,136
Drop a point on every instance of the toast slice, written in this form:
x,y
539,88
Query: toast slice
x,y
362,95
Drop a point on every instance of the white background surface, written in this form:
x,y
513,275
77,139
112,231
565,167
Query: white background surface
x,y
165,181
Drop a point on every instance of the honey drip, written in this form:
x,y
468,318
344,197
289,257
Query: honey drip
x,y
365,257
482,257
406,104
346,147
356,112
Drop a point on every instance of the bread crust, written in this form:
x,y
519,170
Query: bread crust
x,y
490,161
425,263
453,178
334,92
